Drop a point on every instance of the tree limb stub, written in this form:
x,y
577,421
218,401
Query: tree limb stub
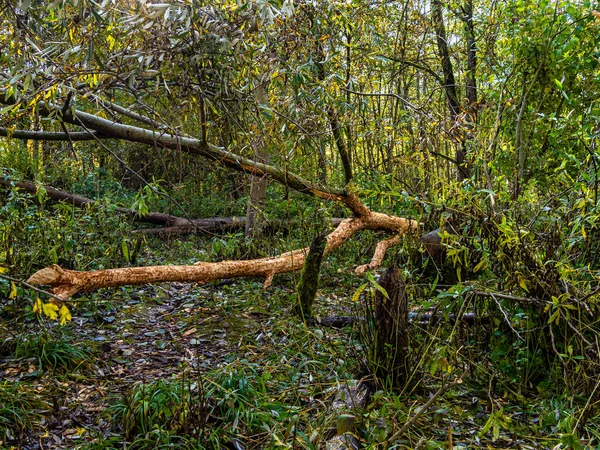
x,y
67,283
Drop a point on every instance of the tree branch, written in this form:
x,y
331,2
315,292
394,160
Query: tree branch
x,y
83,202
67,283
191,145
50,135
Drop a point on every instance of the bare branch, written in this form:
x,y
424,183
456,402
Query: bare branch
x,y
50,135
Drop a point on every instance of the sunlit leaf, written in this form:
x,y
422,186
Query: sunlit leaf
x,y
13,290
37,306
64,314
50,310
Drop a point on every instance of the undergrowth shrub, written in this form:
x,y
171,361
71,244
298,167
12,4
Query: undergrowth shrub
x,y
35,233
160,408
52,352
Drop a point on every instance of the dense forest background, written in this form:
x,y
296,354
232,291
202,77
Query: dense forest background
x,y
460,136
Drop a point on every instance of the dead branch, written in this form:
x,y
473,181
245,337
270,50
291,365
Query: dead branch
x,y
84,202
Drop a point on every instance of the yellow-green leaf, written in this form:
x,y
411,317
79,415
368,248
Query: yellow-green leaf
x,y
64,314
37,306
522,282
50,310
358,292
481,265
13,290
3,269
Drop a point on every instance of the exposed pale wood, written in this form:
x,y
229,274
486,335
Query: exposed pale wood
x,y
380,251
66,283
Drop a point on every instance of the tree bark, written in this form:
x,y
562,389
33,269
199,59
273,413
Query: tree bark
x,y
390,349
222,224
334,123
255,210
449,83
67,283
84,202
173,225
471,57
309,279
114,130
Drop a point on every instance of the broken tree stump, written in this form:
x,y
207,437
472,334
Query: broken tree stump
x,y
389,350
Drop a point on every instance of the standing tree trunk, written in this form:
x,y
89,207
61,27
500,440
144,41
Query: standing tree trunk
x,y
390,339
255,212
449,82
467,11
336,128
309,279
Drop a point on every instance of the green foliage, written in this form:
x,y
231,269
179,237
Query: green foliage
x,y
20,410
32,236
517,297
153,412
53,353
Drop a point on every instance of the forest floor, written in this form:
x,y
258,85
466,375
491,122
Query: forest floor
x,y
140,336
265,378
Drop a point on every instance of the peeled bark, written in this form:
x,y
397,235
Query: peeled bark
x,y
66,283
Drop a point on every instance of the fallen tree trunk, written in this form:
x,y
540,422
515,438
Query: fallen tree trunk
x,y
173,225
219,224
83,202
66,283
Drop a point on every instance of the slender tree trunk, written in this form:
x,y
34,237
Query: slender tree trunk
x,y
471,58
519,148
449,81
256,206
255,212
336,128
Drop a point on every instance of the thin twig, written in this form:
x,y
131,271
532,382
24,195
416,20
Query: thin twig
x,y
509,297
506,318
574,328
41,291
